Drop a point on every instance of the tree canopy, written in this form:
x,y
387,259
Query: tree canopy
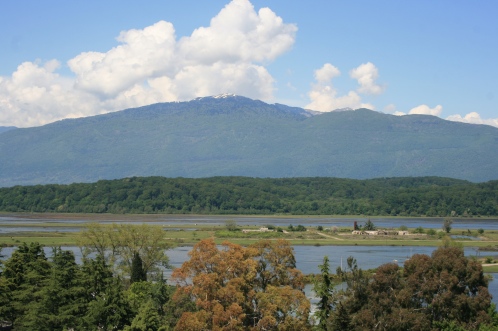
x,y
413,196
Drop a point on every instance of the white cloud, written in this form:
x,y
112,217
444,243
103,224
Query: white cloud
x,y
473,118
143,54
37,95
366,74
426,110
325,74
324,97
150,65
390,108
238,33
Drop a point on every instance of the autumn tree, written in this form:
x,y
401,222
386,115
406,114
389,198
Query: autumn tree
x,y
238,288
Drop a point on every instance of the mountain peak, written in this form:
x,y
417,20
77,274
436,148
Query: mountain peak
x,y
224,96
219,96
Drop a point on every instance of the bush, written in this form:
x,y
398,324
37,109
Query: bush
x,y
299,228
480,231
319,228
431,232
369,226
403,228
419,230
231,225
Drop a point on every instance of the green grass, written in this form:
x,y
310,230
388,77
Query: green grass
x,y
490,269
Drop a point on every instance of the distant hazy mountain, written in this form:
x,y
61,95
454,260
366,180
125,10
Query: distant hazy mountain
x,y
233,135
6,128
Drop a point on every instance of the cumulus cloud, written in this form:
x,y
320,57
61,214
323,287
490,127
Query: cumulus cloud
x,y
150,65
323,94
473,118
366,75
426,110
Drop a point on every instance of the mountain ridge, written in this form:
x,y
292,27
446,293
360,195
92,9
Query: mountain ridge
x,y
238,136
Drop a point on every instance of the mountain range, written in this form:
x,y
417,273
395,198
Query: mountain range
x,y
236,136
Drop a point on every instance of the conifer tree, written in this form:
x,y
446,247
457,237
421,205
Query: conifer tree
x,y
323,289
138,273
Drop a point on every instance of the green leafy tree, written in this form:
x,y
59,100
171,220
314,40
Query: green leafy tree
x,y
120,243
147,319
447,222
444,291
109,310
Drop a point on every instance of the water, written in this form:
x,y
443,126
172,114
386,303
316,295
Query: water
x,y
39,224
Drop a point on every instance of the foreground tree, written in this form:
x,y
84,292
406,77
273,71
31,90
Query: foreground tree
x,y
323,288
25,276
443,291
237,288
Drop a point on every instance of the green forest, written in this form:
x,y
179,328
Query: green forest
x,y
120,285
410,196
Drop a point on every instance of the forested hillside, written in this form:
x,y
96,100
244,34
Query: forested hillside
x,y
237,136
419,196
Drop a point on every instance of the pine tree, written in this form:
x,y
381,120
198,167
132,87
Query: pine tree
x,y
324,290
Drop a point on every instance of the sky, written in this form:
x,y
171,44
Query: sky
x,y
66,59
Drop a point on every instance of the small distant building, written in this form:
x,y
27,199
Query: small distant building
x,y
380,233
262,229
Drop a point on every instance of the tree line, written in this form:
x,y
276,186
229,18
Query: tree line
x,y
231,287
411,196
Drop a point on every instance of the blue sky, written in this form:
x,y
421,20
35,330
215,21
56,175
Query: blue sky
x,y
63,59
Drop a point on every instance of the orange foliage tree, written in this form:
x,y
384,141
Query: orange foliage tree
x,y
242,288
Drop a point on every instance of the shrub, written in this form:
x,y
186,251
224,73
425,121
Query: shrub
x,y
419,230
369,226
